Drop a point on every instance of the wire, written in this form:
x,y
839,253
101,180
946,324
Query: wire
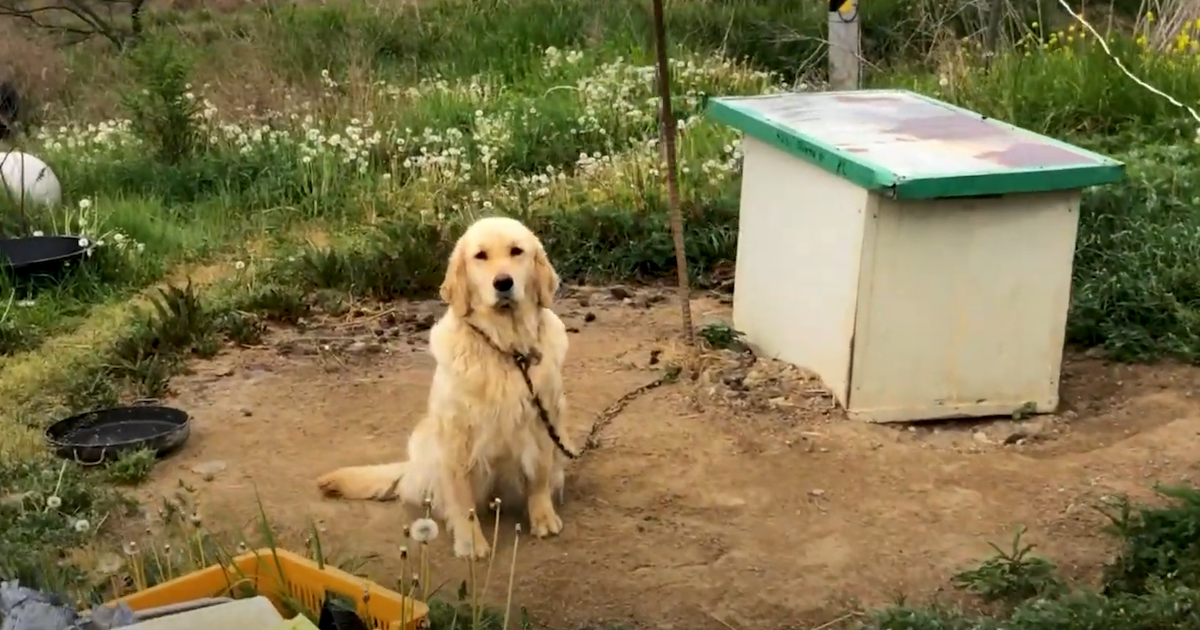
x,y
1121,66
835,6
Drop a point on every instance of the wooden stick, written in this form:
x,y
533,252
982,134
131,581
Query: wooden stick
x,y
668,129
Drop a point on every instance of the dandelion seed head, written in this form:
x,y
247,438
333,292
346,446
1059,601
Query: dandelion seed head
x,y
424,530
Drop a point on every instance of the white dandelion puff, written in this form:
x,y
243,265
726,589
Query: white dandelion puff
x,y
424,530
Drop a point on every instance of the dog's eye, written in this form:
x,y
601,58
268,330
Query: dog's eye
x,y
481,256
516,251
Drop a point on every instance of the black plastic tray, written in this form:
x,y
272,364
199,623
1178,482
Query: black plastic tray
x,y
104,435
40,255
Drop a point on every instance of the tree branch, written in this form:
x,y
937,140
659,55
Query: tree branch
x,y
78,20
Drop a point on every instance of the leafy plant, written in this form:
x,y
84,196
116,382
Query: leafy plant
x,y
1013,575
721,336
47,506
132,467
178,325
1160,545
164,111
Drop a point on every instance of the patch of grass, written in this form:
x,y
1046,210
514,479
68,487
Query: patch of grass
x,y
1150,584
1013,575
49,506
133,467
1160,544
721,336
406,258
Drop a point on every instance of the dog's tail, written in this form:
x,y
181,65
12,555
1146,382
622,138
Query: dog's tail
x,y
380,482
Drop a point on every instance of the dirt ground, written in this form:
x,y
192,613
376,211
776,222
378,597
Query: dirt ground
x,y
743,501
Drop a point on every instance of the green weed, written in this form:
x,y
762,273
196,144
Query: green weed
x,y
48,506
133,467
1160,545
164,111
720,336
1013,575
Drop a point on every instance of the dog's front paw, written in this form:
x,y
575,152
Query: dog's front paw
x,y
471,543
330,484
543,520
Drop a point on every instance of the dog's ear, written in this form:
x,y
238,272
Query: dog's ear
x,y
456,288
545,279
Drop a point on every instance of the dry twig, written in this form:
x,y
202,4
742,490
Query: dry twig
x,y
74,21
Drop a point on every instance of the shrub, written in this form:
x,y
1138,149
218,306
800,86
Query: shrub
x,y
161,107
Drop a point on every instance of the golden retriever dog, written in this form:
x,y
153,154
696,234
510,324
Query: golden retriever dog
x,y
496,401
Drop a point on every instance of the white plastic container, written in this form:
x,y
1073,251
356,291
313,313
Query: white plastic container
x,y
256,613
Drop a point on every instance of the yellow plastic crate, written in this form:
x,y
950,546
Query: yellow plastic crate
x,y
277,575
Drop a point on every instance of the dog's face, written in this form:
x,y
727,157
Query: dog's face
x,y
498,264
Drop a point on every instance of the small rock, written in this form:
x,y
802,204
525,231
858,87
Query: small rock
x,y
620,293
584,301
1017,437
208,470
227,371
816,492
981,437
725,500
425,322
247,413
735,380
357,347
589,317
572,329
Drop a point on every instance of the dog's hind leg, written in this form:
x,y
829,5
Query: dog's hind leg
x,y
380,482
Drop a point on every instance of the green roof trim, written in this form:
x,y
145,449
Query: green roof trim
x,y
741,113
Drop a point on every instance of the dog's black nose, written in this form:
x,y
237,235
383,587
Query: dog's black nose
x,y
503,282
